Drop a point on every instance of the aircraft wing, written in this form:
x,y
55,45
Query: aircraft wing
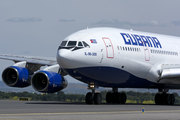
x,y
170,73
25,72
29,59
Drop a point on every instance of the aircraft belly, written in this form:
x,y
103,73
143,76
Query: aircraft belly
x,y
106,74
109,77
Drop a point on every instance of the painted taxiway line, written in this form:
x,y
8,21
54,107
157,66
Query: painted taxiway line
x,y
66,113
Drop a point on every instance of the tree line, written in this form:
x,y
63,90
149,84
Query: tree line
x,y
132,97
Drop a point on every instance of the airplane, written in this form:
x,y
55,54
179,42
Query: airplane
x,y
104,57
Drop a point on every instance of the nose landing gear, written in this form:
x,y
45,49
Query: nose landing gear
x,y
92,97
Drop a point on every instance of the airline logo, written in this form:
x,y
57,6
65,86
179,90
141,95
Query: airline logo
x,y
141,40
93,41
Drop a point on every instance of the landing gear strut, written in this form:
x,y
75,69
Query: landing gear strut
x,y
92,97
116,97
164,98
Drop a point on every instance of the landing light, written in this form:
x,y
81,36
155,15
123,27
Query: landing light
x,y
91,86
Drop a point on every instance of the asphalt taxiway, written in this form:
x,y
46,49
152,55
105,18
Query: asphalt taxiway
x,y
28,110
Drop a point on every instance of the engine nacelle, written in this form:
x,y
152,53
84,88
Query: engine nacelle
x,y
49,82
15,76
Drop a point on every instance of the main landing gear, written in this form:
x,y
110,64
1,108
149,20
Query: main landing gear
x,y
116,97
164,98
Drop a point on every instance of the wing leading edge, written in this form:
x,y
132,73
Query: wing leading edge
x,y
29,59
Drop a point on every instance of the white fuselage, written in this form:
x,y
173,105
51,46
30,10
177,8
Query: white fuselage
x,y
121,58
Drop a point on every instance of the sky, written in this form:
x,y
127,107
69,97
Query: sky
x,y
37,27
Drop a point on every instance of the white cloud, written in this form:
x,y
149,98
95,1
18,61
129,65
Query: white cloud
x,y
176,23
24,19
154,22
118,23
64,20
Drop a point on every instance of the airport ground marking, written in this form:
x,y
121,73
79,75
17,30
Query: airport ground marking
x,y
66,113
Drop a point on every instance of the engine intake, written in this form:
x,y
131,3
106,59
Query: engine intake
x,y
15,76
49,82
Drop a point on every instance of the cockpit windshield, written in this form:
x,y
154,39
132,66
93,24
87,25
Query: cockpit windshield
x,y
71,43
85,44
80,44
63,43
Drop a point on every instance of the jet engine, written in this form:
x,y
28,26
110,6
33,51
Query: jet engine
x,y
48,81
15,76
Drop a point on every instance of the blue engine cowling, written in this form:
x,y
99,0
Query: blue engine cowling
x,y
48,82
15,76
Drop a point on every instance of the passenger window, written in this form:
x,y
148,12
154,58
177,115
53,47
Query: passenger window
x,y
63,43
85,44
72,43
80,44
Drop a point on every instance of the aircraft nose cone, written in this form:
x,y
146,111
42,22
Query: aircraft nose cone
x,y
64,57
62,53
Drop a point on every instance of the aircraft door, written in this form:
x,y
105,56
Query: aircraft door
x,y
146,53
109,47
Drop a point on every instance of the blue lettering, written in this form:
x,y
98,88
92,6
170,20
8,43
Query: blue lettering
x,y
140,42
157,42
149,39
145,41
126,39
134,42
94,54
89,53
154,43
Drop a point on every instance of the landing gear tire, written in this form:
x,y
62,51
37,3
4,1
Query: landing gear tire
x,y
97,98
109,97
123,98
164,99
167,99
116,98
89,99
172,99
158,99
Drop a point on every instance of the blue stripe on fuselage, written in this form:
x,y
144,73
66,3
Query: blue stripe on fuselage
x,y
110,77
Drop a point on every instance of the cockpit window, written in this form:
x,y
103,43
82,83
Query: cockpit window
x,y
85,44
63,43
80,44
71,43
